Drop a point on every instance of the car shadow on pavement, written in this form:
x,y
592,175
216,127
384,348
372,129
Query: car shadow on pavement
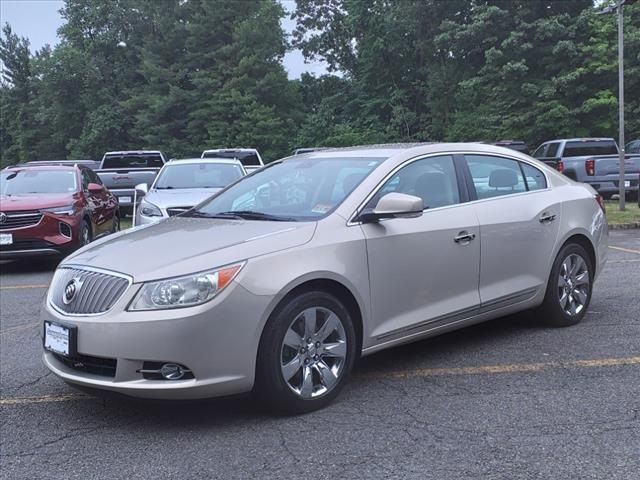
x,y
224,412
30,265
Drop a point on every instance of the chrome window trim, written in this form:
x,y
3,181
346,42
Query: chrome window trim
x,y
352,222
104,271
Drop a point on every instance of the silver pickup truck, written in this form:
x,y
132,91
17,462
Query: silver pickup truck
x,y
121,171
592,160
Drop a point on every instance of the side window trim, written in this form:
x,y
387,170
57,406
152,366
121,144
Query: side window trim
x,y
472,188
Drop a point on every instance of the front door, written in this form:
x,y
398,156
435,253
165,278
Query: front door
x,y
423,271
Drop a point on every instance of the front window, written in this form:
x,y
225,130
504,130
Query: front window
x,y
25,182
297,189
198,175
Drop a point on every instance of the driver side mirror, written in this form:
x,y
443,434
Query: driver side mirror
x,y
142,188
394,205
95,188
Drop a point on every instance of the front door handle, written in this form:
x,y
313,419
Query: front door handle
x,y
464,237
547,218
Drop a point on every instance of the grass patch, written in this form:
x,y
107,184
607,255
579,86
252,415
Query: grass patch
x,y
616,217
125,223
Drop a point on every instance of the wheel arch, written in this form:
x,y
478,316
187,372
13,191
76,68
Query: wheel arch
x,y
585,242
329,284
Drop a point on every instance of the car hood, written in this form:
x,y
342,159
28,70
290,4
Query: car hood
x,y
182,245
183,197
14,203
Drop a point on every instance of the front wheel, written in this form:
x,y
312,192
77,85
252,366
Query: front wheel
x,y
569,290
306,353
85,234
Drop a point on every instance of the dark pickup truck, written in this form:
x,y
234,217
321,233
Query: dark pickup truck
x,y
591,160
120,172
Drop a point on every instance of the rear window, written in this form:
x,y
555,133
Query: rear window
x,y
595,147
246,158
151,160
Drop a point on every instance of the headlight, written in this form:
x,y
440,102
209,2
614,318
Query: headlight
x,y
184,291
63,210
148,209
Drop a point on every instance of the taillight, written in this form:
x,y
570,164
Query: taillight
x,y
560,166
590,166
600,201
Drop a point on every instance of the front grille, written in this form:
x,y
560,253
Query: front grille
x,y
105,367
177,210
26,244
95,291
19,219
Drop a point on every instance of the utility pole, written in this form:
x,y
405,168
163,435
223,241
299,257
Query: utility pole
x,y
621,166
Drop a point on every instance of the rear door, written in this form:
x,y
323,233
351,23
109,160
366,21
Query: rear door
x,y
519,222
423,271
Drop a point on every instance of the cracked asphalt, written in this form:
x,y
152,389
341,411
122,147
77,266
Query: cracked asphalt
x,y
507,399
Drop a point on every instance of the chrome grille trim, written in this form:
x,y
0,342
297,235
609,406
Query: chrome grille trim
x,y
101,289
20,220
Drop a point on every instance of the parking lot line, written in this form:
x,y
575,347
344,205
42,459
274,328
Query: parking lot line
x,y
18,287
622,249
496,369
67,397
420,372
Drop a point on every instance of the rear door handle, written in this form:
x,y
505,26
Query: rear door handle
x,y
547,218
464,237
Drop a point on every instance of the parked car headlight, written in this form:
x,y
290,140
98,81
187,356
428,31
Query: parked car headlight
x,y
63,210
148,209
186,291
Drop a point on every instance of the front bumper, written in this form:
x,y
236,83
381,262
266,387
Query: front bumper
x,y
53,235
217,341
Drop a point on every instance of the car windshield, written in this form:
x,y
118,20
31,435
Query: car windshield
x,y
246,158
198,175
37,181
296,189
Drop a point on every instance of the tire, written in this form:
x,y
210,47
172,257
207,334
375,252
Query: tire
x,y
116,223
85,234
566,302
329,357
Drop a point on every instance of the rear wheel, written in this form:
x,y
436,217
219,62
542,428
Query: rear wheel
x,y
569,289
306,353
85,233
116,223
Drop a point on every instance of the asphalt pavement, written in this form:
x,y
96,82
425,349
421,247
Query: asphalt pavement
x,y
508,399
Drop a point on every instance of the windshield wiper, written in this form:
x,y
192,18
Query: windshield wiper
x,y
199,214
165,188
251,215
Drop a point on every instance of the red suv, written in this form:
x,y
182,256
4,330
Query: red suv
x,y
53,210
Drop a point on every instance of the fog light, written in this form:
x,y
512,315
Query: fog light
x,y
65,230
171,371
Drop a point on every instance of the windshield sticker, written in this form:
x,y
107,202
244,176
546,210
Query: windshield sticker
x,y
320,208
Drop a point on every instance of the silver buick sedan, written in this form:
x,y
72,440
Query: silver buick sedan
x,y
280,281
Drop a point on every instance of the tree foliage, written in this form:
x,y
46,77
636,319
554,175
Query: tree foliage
x,y
185,75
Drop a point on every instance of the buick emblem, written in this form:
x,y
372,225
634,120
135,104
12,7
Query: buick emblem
x,y
71,290
3,217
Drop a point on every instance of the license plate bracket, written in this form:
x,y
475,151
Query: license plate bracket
x,y
60,339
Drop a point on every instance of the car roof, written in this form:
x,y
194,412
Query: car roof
x,y
232,161
24,166
133,152
213,150
407,150
583,139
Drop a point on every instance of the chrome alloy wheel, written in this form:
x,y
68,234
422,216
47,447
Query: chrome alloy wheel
x,y
573,284
313,352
